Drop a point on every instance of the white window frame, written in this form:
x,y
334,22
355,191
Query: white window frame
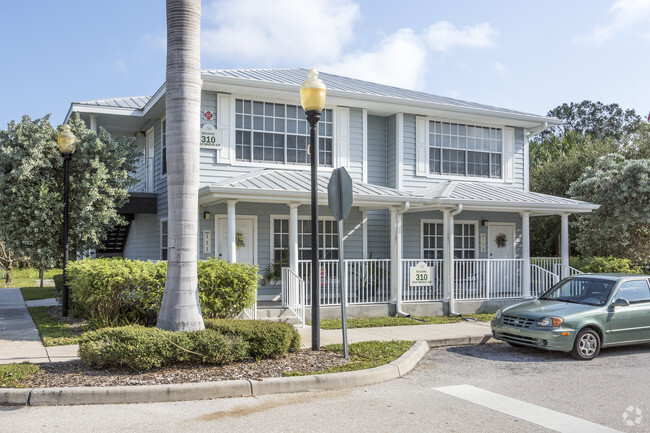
x,y
422,168
459,222
300,218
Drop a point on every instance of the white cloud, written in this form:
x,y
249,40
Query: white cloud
x,y
268,32
443,35
499,67
399,60
631,16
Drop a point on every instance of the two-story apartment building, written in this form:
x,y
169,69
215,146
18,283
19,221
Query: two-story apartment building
x,y
438,182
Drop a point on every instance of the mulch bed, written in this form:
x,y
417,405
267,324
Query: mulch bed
x,y
75,373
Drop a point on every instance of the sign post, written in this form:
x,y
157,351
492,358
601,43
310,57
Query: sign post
x,y
339,198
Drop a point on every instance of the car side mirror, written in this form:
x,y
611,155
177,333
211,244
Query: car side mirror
x,y
621,302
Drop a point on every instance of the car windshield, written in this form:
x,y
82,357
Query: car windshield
x,y
589,291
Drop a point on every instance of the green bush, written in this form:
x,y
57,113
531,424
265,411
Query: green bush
x,y
599,265
266,339
225,289
116,291
143,348
58,282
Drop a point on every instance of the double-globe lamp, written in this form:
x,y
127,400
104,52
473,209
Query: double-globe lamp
x,y
312,98
67,144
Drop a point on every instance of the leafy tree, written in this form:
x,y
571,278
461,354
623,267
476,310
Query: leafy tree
x,y
621,227
31,188
7,260
595,119
180,310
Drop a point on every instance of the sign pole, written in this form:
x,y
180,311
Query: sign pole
x,y
344,292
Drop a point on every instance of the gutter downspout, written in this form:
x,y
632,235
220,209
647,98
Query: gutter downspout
x,y
398,297
450,261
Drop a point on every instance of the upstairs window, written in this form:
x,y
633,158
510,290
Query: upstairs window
x,y
465,150
278,133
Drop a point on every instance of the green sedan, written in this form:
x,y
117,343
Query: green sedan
x,y
580,315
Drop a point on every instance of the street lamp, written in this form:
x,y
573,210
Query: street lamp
x,y
67,141
312,98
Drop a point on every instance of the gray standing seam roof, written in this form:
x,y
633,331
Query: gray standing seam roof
x,y
134,102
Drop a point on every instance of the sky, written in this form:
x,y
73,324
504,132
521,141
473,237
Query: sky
x,y
524,55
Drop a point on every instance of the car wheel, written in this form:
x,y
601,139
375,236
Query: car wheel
x,y
587,345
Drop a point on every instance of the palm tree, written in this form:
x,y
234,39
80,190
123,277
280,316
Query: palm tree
x,y
180,310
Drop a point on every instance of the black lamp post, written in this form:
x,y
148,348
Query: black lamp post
x,y
312,98
67,141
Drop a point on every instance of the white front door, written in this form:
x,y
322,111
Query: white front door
x,y
501,240
148,159
245,235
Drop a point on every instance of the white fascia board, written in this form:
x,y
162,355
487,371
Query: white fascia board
x,y
98,109
376,102
550,208
154,99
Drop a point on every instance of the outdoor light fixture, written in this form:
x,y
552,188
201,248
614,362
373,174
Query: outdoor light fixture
x,y
206,215
312,98
67,144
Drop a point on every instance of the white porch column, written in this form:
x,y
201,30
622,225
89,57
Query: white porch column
x,y
394,263
525,250
232,232
293,236
446,256
564,245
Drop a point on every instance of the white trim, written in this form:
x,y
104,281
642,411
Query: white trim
x,y
364,147
341,137
508,155
150,157
160,232
526,162
513,235
422,146
399,149
163,140
253,218
225,121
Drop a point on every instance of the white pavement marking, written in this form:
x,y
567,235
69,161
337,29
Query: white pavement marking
x,y
529,412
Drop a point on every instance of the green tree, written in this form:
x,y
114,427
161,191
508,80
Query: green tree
x,y
595,119
621,227
7,260
180,310
31,187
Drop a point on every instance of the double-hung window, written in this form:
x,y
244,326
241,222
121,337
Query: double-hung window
x,y
267,132
465,150
464,240
328,239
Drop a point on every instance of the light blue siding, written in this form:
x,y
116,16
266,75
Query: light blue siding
x,y
377,150
378,234
391,152
355,167
143,242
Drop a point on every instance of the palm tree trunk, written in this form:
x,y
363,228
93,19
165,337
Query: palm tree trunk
x,y
180,310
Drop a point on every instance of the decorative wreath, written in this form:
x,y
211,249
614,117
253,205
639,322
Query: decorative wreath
x,y
239,240
501,240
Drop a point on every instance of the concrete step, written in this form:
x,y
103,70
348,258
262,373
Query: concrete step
x,y
277,314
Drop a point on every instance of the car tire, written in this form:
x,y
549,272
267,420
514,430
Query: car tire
x,y
586,345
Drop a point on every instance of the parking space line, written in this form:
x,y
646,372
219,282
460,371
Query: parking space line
x,y
520,409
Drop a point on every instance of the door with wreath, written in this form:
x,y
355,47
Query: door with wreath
x,y
245,238
503,271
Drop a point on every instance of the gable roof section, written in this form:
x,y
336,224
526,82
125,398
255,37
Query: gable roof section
x,y
486,196
272,185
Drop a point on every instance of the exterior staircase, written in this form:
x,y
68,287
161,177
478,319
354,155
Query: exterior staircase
x,y
274,311
116,239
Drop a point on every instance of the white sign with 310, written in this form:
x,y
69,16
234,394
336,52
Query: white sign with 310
x,y
420,275
209,136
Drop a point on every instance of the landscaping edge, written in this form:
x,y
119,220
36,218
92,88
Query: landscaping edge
x,y
211,390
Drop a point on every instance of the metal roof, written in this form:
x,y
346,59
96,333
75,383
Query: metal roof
x,y
134,102
483,194
283,185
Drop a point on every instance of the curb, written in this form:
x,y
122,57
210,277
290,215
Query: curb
x,y
211,390
461,341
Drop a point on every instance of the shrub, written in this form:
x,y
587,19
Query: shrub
x,y
58,282
143,348
266,339
605,265
116,291
225,289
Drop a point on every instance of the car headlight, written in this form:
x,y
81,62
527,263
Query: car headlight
x,y
550,322
497,315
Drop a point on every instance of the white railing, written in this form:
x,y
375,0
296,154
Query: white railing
x,y
249,313
487,278
368,281
293,294
431,292
545,262
570,271
541,280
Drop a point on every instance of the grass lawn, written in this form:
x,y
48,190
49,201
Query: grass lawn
x,y
54,332
27,277
33,293
12,374
364,355
376,322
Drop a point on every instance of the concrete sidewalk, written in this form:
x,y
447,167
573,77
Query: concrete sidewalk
x,y
19,338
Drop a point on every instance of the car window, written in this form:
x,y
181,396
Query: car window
x,y
589,291
634,292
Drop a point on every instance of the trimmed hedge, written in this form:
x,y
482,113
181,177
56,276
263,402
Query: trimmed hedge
x,y
223,341
266,339
117,291
143,348
599,265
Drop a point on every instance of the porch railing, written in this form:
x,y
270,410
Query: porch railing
x,y
249,313
432,292
487,278
541,279
368,281
293,293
